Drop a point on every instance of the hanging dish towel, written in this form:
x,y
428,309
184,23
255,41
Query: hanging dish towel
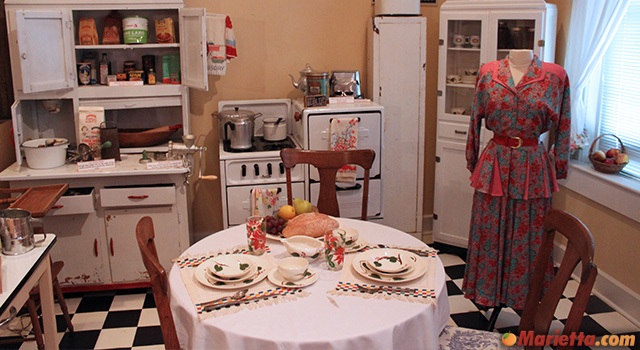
x,y
344,136
263,201
221,43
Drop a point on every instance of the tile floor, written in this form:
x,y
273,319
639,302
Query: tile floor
x,y
127,319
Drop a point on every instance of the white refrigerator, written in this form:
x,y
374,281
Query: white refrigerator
x,y
396,80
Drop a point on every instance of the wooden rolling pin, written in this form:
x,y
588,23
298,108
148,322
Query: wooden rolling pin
x,y
162,129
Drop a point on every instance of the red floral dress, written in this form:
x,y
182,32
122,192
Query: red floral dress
x,y
513,185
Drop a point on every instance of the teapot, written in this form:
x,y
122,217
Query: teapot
x,y
302,81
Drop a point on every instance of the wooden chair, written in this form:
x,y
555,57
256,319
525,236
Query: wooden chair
x,y
328,163
539,310
146,235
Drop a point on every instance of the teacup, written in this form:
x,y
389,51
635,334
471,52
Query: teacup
x,y
454,78
292,268
474,40
349,236
459,40
458,110
471,72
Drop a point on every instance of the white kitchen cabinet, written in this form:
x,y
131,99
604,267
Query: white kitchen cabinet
x,y
397,68
125,260
488,29
44,50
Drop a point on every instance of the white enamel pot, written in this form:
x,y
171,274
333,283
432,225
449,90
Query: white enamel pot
x,y
45,153
275,129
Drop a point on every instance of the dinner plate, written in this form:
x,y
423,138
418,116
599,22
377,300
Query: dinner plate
x,y
260,274
360,244
388,260
276,278
230,266
359,264
404,272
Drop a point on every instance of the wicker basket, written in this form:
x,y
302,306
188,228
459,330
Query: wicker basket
x,y
603,167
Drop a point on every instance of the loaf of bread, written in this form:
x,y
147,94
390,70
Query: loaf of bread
x,y
309,224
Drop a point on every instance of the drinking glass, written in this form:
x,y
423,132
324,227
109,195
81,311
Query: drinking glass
x,y
334,249
256,234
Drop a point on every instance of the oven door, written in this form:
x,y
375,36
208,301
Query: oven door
x,y
369,136
239,199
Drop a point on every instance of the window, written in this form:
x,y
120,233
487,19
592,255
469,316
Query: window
x,y
620,90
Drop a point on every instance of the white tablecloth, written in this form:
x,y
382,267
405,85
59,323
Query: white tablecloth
x,y
313,322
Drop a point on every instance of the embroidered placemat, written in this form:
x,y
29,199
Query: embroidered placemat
x,y
201,294
420,290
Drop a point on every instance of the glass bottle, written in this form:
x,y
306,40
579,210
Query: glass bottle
x,y
151,77
105,69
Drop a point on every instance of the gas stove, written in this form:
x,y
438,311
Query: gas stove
x,y
259,144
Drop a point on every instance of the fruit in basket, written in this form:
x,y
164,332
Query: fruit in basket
x,y
302,206
613,152
287,212
600,156
610,161
622,158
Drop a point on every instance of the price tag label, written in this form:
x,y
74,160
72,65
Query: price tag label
x,y
165,164
96,164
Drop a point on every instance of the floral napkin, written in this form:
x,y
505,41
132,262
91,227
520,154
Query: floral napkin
x,y
420,290
344,136
263,201
201,294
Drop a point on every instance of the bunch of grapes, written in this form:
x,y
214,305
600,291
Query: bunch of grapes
x,y
274,225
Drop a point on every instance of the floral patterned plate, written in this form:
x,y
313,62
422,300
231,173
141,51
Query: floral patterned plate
x,y
261,272
212,277
357,246
310,277
360,265
230,266
388,260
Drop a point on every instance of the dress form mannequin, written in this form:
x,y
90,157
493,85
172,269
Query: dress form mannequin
x,y
519,62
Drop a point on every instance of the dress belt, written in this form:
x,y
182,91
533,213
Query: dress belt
x,y
514,142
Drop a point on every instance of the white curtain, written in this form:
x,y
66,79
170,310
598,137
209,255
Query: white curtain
x,y
593,25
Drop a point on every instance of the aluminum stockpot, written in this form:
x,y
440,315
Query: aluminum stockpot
x,y
16,231
237,127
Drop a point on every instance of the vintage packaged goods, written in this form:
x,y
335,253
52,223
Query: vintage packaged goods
x,y
165,32
105,69
92,58
84,73
87,32
112,29
135,29
171,69
135,75
89,122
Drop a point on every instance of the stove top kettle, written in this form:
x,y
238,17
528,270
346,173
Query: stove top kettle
x,y
301,84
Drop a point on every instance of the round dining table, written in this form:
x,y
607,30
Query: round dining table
x,y
319,320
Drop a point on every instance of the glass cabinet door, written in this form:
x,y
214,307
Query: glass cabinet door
x,y
464,56
517,31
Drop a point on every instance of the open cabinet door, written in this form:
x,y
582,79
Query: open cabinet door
x,y
193,48
45,42
16,114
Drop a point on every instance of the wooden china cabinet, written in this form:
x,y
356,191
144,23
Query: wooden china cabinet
x,y
472,33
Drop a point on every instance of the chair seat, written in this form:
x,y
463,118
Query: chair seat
x,y
458,338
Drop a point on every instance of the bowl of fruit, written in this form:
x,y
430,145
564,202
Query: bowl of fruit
x,y
612,161
278,221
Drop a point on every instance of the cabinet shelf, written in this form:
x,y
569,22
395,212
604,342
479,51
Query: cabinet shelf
x,y
462,85
103,91
469,49
126,46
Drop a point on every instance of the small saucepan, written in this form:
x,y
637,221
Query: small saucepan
x,y
275,129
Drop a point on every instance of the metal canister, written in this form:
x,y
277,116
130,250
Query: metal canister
x,y
84,73
318,84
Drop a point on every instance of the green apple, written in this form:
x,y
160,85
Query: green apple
x,y
302,206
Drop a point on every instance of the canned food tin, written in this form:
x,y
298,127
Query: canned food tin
x,y
129,66
318,84
135,29
84,73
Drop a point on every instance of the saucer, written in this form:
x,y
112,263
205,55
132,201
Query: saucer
x,y
276,278
360,244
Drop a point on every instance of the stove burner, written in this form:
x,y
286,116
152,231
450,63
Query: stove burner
x,y
259,144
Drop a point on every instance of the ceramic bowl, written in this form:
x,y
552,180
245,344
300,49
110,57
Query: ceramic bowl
x,y
349,235
293,268
303,246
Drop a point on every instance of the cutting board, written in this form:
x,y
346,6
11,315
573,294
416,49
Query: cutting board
x,y
38,200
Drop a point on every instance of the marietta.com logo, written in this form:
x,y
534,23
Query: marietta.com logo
x,y
527,338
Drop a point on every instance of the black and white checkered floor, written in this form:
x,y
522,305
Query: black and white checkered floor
x,y
127,319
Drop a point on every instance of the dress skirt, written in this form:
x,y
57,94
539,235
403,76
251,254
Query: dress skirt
x,y
504,240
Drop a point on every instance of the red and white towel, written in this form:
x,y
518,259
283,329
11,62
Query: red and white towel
x,y
344,136
221,43
263,201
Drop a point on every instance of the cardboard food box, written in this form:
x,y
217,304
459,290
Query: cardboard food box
x,y
89,125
